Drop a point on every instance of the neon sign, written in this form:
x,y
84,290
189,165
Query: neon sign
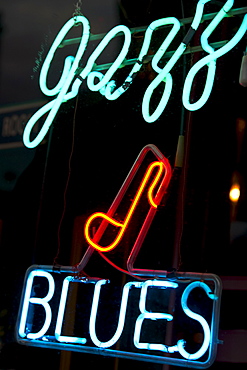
x,y
150,318
151,191
122,321
70,80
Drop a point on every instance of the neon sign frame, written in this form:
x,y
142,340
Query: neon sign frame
x,y
71,80
177,354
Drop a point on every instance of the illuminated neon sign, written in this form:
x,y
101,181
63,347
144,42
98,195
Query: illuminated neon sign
x,y
150,318
134,318
70,80
149,194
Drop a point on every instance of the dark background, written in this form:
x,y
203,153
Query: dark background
x,y
47,193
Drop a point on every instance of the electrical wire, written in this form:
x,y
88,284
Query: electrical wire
x,y
66,186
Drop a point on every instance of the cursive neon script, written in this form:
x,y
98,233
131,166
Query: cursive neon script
x,y
70,81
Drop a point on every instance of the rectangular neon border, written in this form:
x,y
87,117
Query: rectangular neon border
x,y
131,355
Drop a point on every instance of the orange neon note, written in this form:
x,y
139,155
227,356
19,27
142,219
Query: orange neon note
x,y
153,201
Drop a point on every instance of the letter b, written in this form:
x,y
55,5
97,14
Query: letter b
x,y
27,300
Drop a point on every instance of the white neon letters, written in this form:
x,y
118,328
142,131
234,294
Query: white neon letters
x,y
44,329
70,81
199,318
146,315
122,314
60,315
38,301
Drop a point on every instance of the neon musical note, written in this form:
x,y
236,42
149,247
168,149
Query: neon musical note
x,y
153,201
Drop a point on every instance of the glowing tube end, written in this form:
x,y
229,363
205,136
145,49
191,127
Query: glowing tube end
x,y
243,71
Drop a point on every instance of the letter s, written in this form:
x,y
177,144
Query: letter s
x,y
197,317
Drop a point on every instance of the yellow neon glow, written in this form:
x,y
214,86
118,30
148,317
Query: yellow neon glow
x,y
123,226
234,193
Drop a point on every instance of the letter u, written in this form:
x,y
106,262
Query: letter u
x,y
122,313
